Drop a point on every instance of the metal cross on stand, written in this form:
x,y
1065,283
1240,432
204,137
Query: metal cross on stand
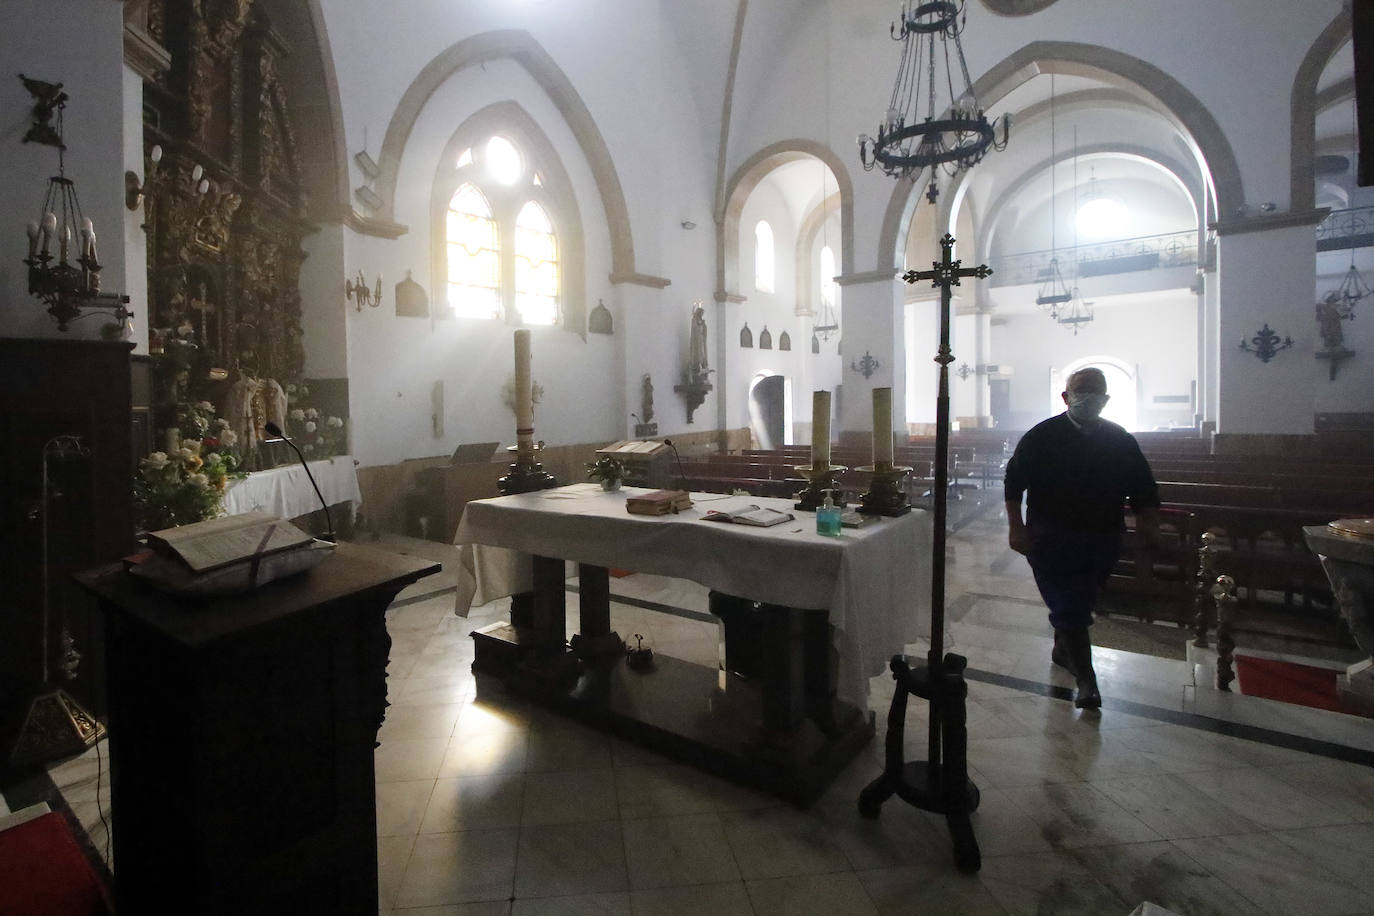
x,y
940,783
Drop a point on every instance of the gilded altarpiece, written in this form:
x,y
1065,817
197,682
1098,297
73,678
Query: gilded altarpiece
x,y
225,205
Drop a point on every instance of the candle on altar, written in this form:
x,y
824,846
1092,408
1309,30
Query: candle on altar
x,y
524,405
820,429
882,425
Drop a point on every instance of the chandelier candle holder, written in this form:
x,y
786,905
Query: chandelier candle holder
x,y
908,141
526,473
68,282
357,291
820,474
885,495
1266,343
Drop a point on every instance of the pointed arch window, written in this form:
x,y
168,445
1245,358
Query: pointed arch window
x,y
763,257
474,265
536,266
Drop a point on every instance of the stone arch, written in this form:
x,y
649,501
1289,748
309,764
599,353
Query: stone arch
x,y
1303,110
1091,60
743,182
1016,7
518,46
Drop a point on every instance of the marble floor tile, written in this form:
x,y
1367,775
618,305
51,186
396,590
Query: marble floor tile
x,y
1072,815
917,890
1274,875
402,759
729,899
401,806
484,752
811,895
424,691
1000,827
657,789
393,853
1021,761
1264,798
1173,808
568,796
419,721
474,802
616,904
1163,875
560,745
900,835
1348,787
460,867
779,842
1048,882
561,859
678,850
1344,850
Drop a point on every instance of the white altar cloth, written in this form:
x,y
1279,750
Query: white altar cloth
x,y
874,581
286,492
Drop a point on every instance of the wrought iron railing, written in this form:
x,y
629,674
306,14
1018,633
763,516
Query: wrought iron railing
x,y
1148,252
1352,228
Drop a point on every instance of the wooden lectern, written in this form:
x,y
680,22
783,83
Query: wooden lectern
x,y
241,738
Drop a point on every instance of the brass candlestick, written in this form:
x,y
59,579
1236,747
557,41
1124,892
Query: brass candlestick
x,y
819,478
526,473
885,494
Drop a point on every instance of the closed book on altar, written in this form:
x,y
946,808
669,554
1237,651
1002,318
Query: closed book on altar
x,y
219,542
658,502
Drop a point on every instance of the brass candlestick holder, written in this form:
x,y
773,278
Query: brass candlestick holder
x,y
526,473
885,495
819,478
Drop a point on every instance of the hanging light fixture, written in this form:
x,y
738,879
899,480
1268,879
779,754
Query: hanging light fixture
x,y
1353,288
909,142
69,290
1054,292
1078,312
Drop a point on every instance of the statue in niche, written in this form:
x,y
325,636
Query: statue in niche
x,y
697,363
646,399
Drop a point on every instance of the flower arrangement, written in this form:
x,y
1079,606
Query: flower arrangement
x,y
609,471
317,435
184,486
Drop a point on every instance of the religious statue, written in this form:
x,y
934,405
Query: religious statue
x,y
646,399
1329,323
697,363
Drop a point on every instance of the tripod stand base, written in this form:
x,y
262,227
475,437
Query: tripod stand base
x,y
914,786
56,726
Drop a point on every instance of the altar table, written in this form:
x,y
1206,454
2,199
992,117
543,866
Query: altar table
x,y
286,492
801,716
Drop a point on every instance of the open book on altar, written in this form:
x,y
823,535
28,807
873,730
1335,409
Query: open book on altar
x,y
757,516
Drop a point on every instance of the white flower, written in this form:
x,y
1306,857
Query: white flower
x,y
291,388
191,445
333,423
222,423
297,414
212,458
308,448
310,426
157,461
312,413
184,453
199,481
205,405
229,437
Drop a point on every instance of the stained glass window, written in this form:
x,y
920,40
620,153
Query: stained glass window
x,y
536,266
474,265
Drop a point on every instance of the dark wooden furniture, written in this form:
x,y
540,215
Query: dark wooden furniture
x,y
59,387
241,738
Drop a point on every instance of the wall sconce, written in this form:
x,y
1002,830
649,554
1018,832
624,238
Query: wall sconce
x,y
135,191
1266,343
357,291
964,370
866,366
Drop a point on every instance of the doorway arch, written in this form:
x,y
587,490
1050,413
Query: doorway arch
x,y
770,409
1124,406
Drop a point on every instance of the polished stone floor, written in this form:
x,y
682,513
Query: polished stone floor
x,y
490,806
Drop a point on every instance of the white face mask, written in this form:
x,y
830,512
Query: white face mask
x,y
1086,406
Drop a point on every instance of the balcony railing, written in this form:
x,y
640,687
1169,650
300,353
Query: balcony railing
x,y
1147,252
1353,228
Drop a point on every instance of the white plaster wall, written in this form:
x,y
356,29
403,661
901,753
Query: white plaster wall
x,y
324,309
33,36
1160,340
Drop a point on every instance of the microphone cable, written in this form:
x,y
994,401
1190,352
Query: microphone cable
x,y
276,432
686,485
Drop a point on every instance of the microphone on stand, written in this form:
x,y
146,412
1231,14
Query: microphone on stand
x,y
275,431
686,485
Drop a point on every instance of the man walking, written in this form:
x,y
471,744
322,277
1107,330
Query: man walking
x,y
1077,471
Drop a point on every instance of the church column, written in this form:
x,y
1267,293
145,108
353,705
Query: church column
x,y
1266,274
873,327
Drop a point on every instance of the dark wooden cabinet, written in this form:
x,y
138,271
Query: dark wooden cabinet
x,y
242,732
48,388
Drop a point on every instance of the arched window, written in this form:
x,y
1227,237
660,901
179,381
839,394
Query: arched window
x,y
500,231
474,265
830,290
763,257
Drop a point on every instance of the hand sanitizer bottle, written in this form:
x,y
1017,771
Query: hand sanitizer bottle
x,y
828,516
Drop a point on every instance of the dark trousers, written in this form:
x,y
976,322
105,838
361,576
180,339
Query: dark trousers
x,y
1070,567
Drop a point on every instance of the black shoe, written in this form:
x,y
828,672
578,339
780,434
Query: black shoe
x,y
1061,654
1080,648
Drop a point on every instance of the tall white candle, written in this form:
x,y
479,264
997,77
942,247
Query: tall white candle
x,y
524,406
820,429
882,425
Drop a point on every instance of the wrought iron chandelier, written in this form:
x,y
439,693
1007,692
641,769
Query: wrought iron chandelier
x,y
1054,292
70,291
1353,288
907,141
1078,312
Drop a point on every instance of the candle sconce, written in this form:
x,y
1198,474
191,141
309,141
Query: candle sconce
x,y
357,290
866,366
1266,344
964,370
